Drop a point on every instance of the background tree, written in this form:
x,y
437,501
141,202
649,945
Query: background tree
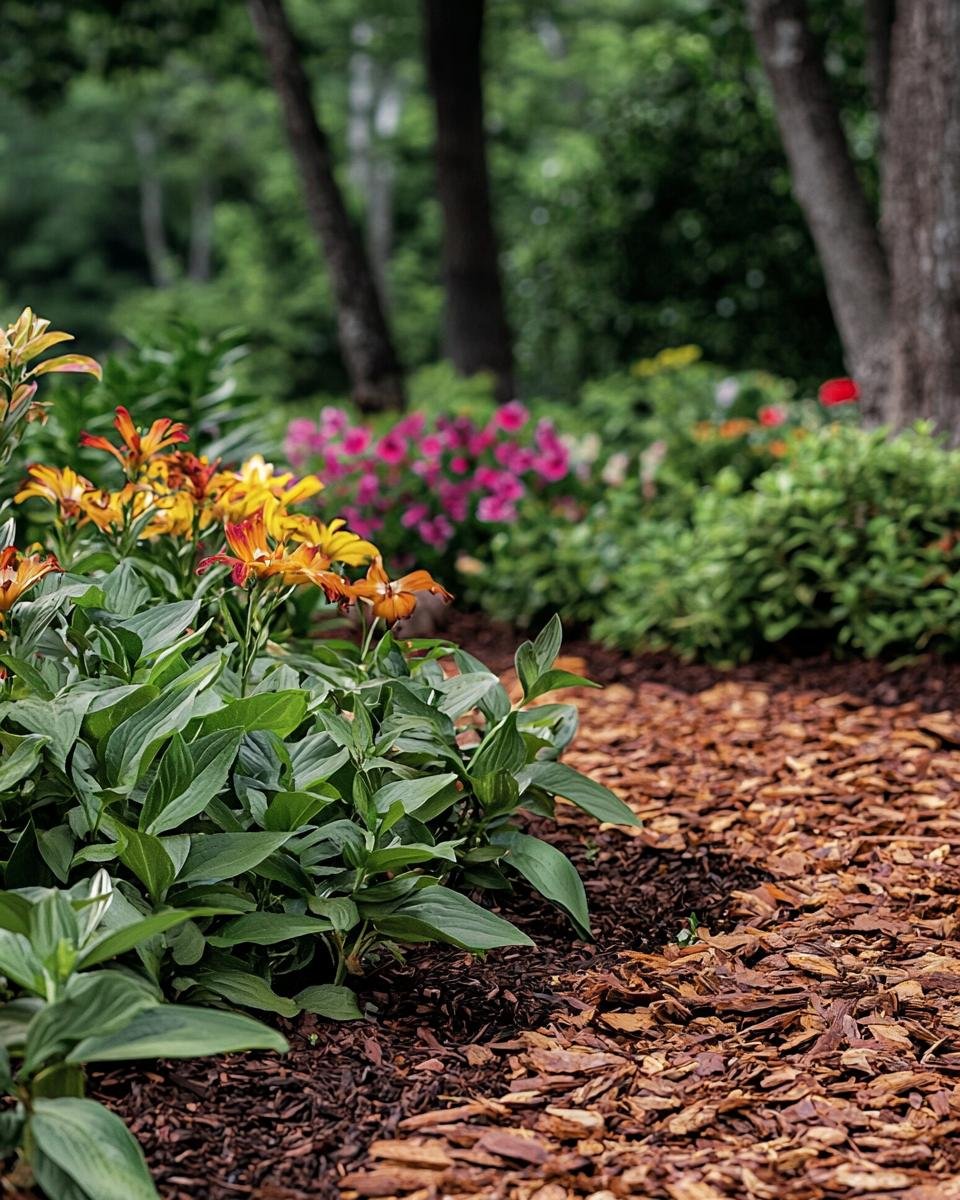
x,y
371,360
895,297
476,333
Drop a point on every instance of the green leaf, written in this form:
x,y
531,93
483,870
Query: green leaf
x,y
550,681
119,941
250,991
92,1147
587,794
292,810
412,794
14,912
19,963
19,758
503,749
278,712
548,643
461,693
146,857
159,626
439,914
130,747
330,1001
267,929
552,874
28,673
216,856
183,788
340,911
179,1031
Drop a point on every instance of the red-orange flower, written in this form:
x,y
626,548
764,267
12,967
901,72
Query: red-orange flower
x,y
138,448
19,572
394,600
839,391
186,472
253,557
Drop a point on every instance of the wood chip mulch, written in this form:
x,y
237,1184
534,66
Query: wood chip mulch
x,y
806,1046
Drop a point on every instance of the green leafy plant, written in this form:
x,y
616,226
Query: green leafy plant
x,y
67,1010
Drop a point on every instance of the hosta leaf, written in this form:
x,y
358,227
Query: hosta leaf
x,y
552,874
250,991
216,856
330,1001
92,1147
585,793
267,929
438,914
179,1031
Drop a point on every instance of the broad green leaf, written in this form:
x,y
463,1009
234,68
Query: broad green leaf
x,y
267,929
175,798
464,692
146,857
93,1147
438,914
14,912
585,793
411,793
291,810
119,941
216,856
161,625
340,911
58,720
552,874
19,962
330,1001
250,991
179,1031
503,749
28,673
279,712
19,757
550,681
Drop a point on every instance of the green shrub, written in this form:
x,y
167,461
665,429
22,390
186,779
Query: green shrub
x,y
850,542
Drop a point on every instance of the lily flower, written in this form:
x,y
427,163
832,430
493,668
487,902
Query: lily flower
x,y
138,448
394,600
19,572
334,541
62,487
252,556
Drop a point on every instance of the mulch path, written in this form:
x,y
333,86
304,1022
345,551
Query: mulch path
x,y
806,1046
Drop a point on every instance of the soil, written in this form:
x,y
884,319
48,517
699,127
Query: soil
x,y
805,1045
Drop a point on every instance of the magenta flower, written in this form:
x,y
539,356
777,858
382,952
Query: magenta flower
x,y
333,420
410,426
431,445
487,477
368,487
495,510
459,465
509,488
436,532
415,515
477,443
511,417
553,466
392,448
356,440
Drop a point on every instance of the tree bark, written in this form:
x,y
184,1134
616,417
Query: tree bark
x,y
152,221
365,342
921,213
825,183
476,333
878,22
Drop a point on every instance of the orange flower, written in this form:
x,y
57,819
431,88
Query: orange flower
x,y
186,472
736,427
394,600
138,448
62,487
19,572
253,556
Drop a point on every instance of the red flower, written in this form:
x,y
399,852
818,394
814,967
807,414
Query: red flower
x,y
772,415
838,391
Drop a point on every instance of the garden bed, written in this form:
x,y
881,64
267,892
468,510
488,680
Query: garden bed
x,y
803,1046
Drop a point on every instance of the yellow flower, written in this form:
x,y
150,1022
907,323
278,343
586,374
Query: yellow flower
x,y
334,541
62,487
252,556
243,492
28,337
19,573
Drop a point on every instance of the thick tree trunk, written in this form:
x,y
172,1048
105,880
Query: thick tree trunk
x,y
365,342
827,188
921,213
477,336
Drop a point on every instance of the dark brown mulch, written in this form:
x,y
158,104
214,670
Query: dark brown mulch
x,y
806,1047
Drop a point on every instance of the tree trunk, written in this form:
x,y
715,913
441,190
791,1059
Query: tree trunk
x,y
365,342
476,334
827,188
200,257
921,213
878,22
152,221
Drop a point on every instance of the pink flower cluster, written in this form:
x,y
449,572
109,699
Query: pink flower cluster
x,y
431,478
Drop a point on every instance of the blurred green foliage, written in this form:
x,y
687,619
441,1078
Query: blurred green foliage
x,y
640,188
